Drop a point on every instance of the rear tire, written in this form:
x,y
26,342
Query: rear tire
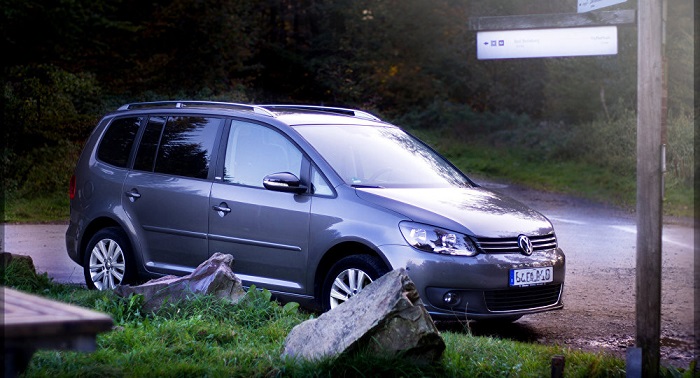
x,y
349,276
108,260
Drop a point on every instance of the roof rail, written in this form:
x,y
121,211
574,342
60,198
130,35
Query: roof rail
x,y
344,111
197,104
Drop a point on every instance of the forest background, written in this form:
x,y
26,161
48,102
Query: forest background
x,y
562,124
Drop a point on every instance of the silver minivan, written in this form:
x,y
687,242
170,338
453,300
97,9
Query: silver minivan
x,y
313,203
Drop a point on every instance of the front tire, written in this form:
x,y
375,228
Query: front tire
x,y
349,276
108,260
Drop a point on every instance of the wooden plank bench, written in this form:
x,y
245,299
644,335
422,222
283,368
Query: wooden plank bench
x,y
31,322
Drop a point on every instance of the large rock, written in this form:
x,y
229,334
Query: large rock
x,y
212,277
386,316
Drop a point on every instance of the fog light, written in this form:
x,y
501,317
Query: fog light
x,y
450,298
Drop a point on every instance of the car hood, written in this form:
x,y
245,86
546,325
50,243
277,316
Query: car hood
x,y
474,211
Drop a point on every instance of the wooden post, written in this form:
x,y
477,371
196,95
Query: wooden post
x,y
649,182
696,183
558,364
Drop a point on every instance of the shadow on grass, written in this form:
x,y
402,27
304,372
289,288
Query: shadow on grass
x,y
497,329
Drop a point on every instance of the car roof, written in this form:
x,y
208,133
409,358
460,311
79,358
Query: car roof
x,y
290,114
300,118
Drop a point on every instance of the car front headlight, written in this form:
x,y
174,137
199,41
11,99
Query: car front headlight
x,y
437,240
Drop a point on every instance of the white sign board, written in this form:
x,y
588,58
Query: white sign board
x,y
544,43
591,5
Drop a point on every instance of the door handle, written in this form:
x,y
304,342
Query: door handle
x,y
222,209
133,194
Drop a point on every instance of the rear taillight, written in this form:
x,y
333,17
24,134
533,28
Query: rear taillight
x,y
71,187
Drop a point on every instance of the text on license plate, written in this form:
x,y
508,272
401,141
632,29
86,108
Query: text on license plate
x,y
531,276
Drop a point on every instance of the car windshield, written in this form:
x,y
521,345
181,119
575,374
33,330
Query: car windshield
x,y
378,156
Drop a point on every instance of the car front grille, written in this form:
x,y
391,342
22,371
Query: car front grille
x,y
510,245
522,298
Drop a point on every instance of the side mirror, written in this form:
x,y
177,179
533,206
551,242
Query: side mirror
x,y
284,182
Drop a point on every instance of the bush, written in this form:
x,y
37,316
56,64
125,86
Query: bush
x,y
19,273
47,113
48,104
461,121
680,158
48,169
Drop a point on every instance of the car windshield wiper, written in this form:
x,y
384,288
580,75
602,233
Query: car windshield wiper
x,y
360,186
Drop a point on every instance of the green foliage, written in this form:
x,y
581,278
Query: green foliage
x,y
47,112
188,45
48,104
583,89
460,121
365,363
671,372
392,56
20,274
69,32
486,356
680,57
122,310
48,169
680,157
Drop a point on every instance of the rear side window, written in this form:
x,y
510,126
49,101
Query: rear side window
x,y
180,146
116,144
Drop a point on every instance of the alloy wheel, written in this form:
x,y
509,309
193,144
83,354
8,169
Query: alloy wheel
x,y
107,264
347,284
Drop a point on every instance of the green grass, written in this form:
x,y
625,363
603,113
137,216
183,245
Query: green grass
x,y
206,336
678,200
53,207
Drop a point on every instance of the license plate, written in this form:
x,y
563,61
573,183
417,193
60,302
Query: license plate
x,y
531,276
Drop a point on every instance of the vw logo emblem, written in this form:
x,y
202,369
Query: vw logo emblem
x,y
525,245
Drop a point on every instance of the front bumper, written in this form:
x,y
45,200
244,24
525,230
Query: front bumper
x,y
479,286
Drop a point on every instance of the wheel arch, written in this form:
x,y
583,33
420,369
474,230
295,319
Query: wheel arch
x,y
95,226
335,254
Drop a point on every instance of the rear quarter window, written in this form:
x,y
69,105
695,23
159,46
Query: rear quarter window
x,y
115,146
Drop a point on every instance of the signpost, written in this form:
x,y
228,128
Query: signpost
x,y
509,32
540,43
592,5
